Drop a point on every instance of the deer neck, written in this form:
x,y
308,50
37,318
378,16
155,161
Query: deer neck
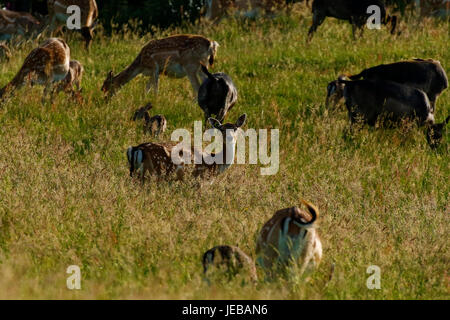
x,y
127,75
227,154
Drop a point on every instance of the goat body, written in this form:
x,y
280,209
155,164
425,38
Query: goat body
x,y
370,99
217,94
426,75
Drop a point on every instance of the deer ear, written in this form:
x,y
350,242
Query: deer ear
x,y
240,122
214,123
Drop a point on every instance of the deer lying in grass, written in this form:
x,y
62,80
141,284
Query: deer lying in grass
x,y
46,65
89,13
156,158
288,237
231,258
154,125
217,94
13,23
177,56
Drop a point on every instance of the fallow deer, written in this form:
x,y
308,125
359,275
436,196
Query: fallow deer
x,y
155,125
177,56
231,258
89,13
290,236
47,64
73,78
156,158
13,23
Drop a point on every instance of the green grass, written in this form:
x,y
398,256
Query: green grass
x,y
66,197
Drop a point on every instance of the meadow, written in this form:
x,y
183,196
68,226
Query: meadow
x,y
66,197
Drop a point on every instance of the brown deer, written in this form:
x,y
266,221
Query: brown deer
x,y
47,64
89,13
288,237
177,56
13,23
73,78
156,158
154,125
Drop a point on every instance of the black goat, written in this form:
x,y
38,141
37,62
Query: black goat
x,y
371,100
354,11
434,133
217,95
426,75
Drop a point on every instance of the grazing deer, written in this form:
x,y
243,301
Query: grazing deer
x,y
47,64
233,259
73,78
154,125
13,23
289,236
177,56
5,53
156,158
89,13
217,94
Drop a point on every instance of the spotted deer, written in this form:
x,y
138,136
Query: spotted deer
x,y
177,56
230,258
45,65
13,23
155,125
290,236
73,78
89,13
156,158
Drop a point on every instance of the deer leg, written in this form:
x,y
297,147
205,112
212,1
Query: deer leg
x,y
154,81
192,76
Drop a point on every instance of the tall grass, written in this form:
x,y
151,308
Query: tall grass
x,y
66,197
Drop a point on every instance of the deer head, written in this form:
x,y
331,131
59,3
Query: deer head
x,y
229,133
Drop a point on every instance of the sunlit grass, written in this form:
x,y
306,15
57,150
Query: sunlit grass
x,y
66,197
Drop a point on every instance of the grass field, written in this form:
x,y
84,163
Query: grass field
x,y
66,197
